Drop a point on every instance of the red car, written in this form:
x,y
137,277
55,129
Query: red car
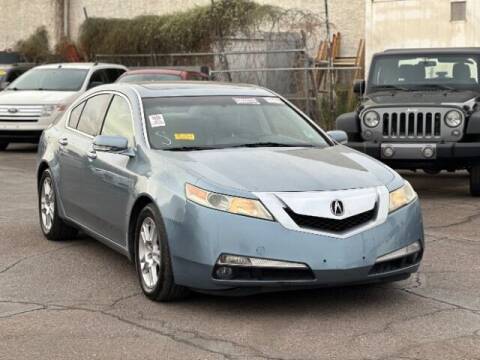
x,y
157,74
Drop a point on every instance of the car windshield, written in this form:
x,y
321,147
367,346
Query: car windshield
x,y
59,79
133,78
413,72
211,122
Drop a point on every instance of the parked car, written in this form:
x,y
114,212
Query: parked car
x,y
9,72
420,110
161,74
223,188
35,99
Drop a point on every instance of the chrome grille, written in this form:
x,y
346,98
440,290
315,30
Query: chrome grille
x,y
412,124
20,113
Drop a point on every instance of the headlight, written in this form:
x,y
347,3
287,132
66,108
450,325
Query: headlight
x,y
453,118
48,110
231,204
371,119
402,196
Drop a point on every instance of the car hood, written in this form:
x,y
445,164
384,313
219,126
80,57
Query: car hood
x,y
419,97
283,169
26,97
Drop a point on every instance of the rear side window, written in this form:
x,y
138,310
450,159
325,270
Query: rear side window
x,y
92,115
118,121
75,115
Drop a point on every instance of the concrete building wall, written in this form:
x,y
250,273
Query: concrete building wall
x,y
419,23
24,16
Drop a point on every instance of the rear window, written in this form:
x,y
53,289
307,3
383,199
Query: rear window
x,y
59,79
149,77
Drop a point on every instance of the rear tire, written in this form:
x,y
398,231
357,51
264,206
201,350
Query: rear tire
x,y
475,180
3,146
53,227
152,258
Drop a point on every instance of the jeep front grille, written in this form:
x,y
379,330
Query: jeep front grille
x,y
410,124
424,124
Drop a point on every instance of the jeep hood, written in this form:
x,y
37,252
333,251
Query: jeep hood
x,y
283,169
419,97
27,97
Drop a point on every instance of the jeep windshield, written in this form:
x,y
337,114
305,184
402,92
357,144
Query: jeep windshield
x,y
59,79
406,72
215,122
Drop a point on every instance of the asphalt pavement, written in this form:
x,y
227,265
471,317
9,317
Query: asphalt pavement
x,y
79,299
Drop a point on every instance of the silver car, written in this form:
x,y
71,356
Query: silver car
x,y
224,189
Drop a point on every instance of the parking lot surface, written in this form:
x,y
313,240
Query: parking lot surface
x,y
80,300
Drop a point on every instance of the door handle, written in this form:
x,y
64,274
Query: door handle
x,y
63,141
92,154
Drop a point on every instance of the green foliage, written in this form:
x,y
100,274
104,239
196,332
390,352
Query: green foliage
x,y
192,30
36,47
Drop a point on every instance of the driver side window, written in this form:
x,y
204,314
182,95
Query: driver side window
x,y
118,121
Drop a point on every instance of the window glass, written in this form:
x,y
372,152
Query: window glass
x,y
75,115
226,121
148,77
92,115
118,120
59,79
410,72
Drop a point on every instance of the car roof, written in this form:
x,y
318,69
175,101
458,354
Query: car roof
x,y
80,65
155,71
190,88
431,51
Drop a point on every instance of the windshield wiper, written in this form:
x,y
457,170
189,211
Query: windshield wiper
x,y
271,144
389,87
191,148
437,86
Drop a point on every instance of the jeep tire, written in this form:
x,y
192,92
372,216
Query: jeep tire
x,y
475,180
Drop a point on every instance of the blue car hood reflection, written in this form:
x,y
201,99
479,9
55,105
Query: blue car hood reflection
x,y
284,169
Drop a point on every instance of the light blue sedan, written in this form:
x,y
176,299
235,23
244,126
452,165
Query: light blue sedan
x,y
225,189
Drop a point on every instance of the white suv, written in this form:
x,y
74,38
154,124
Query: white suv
x,y
36,98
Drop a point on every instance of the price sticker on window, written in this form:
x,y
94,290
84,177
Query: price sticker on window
x,y
156,120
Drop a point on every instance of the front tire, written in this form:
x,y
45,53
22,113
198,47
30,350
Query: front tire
x,y
152,258
3,146
475,180
53,227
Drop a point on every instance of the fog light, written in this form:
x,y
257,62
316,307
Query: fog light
x,y
456,132
224,272
245,261
428,152
367,134
407,250
388,151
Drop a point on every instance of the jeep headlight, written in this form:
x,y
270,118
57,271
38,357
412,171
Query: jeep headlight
x,y
231,204
371,119
402,196
453,118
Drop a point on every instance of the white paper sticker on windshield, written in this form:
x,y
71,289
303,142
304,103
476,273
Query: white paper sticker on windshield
x,y
246,101
273,100
156,120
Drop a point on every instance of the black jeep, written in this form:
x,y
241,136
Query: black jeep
x,y
420,109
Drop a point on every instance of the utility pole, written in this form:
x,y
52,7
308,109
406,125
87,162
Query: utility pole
x,y
330,73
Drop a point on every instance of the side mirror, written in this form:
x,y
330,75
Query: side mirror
x,y
339,136
359,87
114,144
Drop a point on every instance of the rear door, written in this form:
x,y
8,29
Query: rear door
x,y
76,183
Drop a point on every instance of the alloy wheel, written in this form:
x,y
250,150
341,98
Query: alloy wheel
x,y
149,253
47,204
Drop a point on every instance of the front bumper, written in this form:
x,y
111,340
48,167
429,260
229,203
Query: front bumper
x,y
27,132
447,155
204,234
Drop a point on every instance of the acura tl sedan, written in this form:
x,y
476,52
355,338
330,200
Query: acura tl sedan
x,y
225,189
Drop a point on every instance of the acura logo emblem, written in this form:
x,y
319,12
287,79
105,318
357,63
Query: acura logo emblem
x,y
336,207
12,110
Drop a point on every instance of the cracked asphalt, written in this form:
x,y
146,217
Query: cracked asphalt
x,y
80,300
